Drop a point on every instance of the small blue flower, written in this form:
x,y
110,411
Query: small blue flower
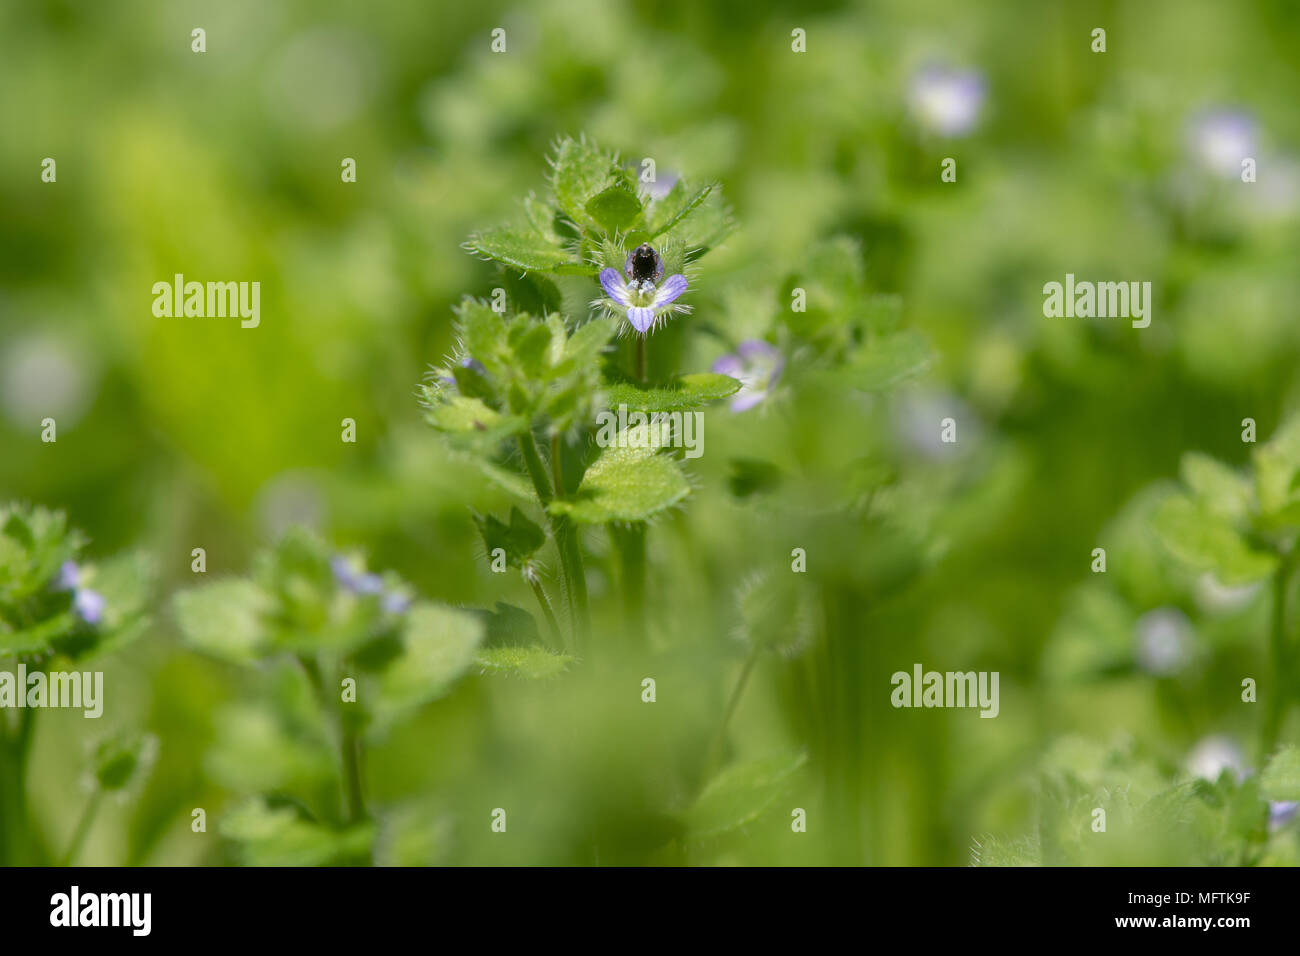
x,y
641,291
758,366
88,604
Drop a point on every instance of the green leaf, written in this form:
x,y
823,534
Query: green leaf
x,y
673,208
740,794
266,746
438,646
886,361
1281,778
687,392
519,540
580,171
1206,542
225,620
993,851
471,422
1220,490
525,251
530,663
625,484
280,836
1277,467
614,209
39,638
507,625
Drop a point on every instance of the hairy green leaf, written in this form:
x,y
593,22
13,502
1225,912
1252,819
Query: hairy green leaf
x,y
530,663
687,392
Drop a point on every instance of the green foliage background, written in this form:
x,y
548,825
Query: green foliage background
x,y
183,433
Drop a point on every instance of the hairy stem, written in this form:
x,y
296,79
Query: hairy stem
x,y
639,366
545,602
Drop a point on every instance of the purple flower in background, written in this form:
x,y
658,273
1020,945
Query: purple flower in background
x,y
1281,812
358,581
758,366
88,604
641,291
395,602
1221,139
69,576
946,101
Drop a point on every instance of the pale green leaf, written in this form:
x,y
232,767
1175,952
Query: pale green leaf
x,y
676,206
530,663
1206,542
225,619
522,250
993,851
1281,778
740,794
438,646
1220,490
626,484
886,361
280,836
1277,467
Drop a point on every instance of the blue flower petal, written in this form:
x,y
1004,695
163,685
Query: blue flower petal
x,y
615,286
640,318
673,287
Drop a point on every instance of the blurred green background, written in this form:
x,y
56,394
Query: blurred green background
x,y
183,433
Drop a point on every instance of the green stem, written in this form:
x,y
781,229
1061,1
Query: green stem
x,y
639,366
630,544
557,465
1279,659
566,539
351,746
349,741
535,583
720,736
83,828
